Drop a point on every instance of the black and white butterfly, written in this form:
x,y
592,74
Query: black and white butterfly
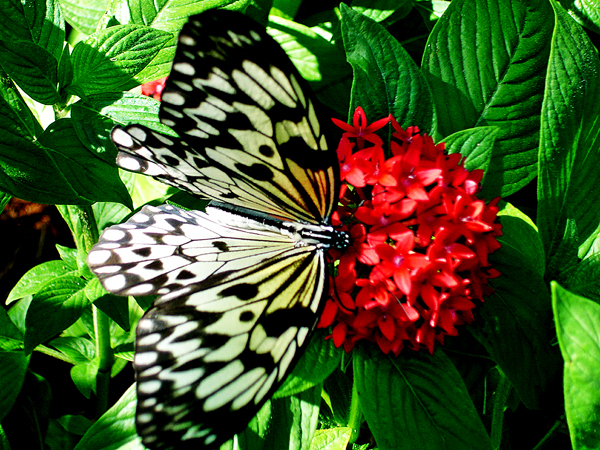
x,y
240,286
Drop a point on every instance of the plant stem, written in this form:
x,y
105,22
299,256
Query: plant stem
x,y
499,403
355,416
104,352
105,355
546,440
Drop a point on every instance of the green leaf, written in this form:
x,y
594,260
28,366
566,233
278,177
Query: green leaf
x,y
65,68
331,439
475,144
111,59
84,376
4,444
36,278
416,401
380,10
13,363
124,351
57,438
68,255
77,349
115,429
13,367
84,15
170,15
253,437
316,364
13,104
486,64
294,420
38,22
585,12
108,214
9,332
56,306
115,307
95,118
320,62
517,333
90,176
33,68
27,171
4,199
570,148
577,320
339,389
386,79
75,424
18,313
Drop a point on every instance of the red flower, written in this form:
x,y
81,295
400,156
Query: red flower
x,y
420,240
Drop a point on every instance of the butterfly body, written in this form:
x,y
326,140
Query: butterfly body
x,y
240,286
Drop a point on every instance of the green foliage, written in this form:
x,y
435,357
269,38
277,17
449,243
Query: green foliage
x,y
513,86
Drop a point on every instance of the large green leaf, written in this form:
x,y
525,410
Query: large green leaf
x,y
115,429
35,278
84,15
39,22
486,64
514,323
294,420
13,363
33,68
316,364
570,144
90,176
319,61
56,306
111,59
386,79
416,400
577,320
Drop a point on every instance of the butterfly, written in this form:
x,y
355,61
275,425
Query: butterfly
x,y
241,285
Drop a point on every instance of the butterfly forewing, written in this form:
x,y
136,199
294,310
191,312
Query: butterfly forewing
x,y
248,129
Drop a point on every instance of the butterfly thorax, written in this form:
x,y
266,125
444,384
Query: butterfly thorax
x,y
303,234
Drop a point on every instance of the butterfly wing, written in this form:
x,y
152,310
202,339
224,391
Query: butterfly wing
x,y
237,300
236,307
248,130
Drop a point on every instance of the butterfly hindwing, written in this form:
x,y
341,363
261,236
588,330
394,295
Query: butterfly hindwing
x,y
248,129
209,354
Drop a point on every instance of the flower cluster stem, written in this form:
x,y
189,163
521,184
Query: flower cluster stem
x,y
499,404
355,417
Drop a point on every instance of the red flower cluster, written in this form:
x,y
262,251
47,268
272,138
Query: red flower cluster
x,y
420,240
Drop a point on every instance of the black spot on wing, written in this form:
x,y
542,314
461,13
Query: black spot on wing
x,y
267,151
185,275
155,265
258,172
243,291
220,245
246,316
143,252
